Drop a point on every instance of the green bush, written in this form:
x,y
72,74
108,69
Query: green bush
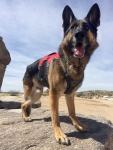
x,y
79,94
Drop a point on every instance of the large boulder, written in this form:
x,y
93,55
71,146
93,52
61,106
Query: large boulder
x,y
4,59
109,143
38,135
14,102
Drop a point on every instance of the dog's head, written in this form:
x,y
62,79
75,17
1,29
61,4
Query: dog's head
x,y
79,35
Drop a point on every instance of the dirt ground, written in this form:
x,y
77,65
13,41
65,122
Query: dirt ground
x,y
86,106
83,106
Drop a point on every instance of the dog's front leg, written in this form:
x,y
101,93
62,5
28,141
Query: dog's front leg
x,y
54,102
71,108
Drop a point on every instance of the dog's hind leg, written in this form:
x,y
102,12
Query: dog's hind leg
x,y
26,104
71,109
32,95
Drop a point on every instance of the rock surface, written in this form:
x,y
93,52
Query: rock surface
x,y
14,102
4,59
15,134
4,53
109,143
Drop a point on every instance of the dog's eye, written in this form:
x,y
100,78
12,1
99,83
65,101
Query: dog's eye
x,y
72,27
86,26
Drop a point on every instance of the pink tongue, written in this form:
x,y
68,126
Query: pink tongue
x,y
79,51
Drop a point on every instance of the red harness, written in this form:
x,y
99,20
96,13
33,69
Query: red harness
x,y
49,58
43,73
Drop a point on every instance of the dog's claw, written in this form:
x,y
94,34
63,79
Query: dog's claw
x,y
67,142
64,141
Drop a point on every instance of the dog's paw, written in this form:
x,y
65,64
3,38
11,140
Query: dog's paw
x,y
82,128
61,138
27,119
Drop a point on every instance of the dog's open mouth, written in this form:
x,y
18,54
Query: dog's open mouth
x,y
79,50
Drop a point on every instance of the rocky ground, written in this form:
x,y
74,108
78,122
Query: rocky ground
x,y
15,134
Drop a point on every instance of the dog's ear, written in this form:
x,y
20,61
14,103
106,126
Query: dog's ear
x,y
67,16
94,15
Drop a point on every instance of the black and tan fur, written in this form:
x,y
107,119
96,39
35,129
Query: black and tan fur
x,y
81,33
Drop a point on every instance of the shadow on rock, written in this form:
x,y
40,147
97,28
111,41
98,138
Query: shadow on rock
x,y
15,105
10,105
33,120
97,130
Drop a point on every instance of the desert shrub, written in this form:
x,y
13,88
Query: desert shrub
x,y
79,94
13,93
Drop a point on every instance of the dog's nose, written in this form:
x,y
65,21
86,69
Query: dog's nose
x,y
79,34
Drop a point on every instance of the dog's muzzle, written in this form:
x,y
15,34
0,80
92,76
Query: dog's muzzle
x,y
78,46
78,50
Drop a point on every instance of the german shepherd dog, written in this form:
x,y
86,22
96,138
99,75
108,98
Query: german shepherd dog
x,y
65,73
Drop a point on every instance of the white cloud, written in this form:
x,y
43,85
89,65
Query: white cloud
x,y
97,79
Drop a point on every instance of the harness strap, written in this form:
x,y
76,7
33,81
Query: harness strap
x,y
43,71
43,67
42,74
71,84
49,58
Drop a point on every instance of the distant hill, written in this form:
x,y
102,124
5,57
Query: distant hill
x,y
94,94
89,94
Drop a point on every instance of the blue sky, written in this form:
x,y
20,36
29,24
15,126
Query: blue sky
x,y
32,29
